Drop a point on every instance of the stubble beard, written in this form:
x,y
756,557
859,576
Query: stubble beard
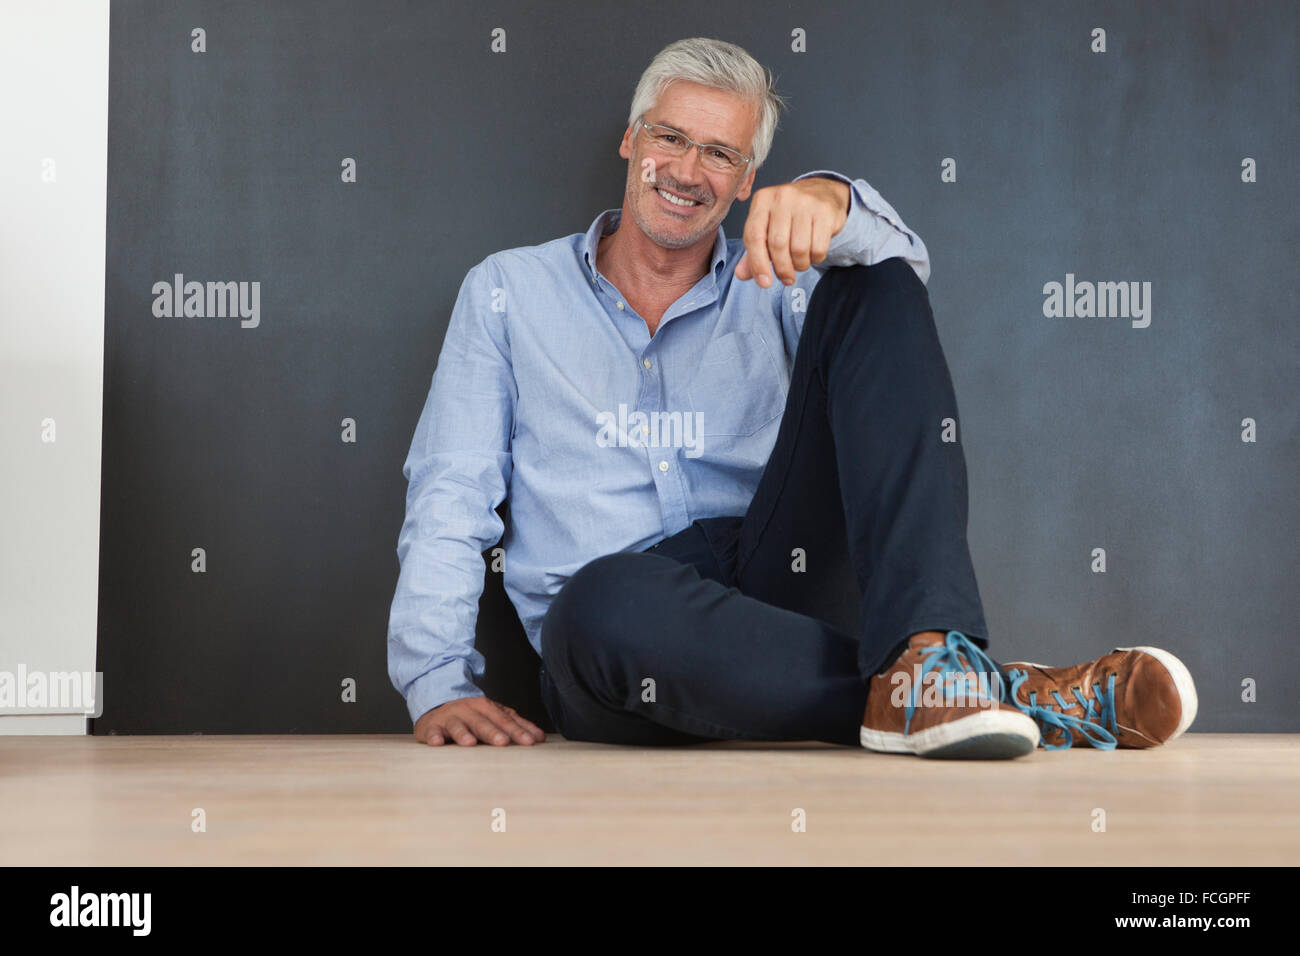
x,y
669,240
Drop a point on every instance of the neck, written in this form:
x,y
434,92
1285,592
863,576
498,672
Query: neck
x,y
635,263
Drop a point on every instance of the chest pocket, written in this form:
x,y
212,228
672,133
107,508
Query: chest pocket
x,y
737,387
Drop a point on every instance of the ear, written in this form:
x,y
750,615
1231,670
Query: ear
x,y
748,186
625,147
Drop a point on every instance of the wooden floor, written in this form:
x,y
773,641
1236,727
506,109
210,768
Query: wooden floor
x,y
1221,799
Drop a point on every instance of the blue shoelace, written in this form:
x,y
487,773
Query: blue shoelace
x,y
947,659
1092,724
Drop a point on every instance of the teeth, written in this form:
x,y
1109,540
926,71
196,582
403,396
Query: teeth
x,y
675,201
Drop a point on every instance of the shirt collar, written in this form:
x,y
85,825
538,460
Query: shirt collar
x,y
608,221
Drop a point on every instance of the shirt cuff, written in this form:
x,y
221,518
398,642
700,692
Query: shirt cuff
x,y
451,681
873,231
864,198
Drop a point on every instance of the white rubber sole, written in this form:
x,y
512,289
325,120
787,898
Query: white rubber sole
x,y
1182,678
994,734
1182,681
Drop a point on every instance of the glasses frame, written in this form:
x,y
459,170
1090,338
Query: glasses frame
x,y
700,146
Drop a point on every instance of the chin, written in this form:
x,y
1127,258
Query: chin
x,y
675,240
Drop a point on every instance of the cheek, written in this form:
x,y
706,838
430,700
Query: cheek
x,y
645,171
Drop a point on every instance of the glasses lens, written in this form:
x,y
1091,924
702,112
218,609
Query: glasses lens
x,y
718,158
722,159
666,140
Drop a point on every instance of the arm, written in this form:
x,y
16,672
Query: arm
x,y
458,471
873,231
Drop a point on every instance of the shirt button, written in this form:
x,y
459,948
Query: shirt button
x,y
663,466
620,305
646,363
645,429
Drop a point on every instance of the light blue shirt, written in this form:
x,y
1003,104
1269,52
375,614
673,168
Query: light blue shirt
x,y
550,388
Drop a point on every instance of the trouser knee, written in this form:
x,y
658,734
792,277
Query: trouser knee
x,y
885,294
591,607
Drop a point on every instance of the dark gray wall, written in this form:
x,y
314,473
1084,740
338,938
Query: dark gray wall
x,y
1079,433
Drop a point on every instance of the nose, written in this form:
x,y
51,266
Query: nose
x,y
688,166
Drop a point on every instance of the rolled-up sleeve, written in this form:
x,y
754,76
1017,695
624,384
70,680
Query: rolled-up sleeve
x,y
458,472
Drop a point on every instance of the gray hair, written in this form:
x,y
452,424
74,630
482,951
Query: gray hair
x,y
722,66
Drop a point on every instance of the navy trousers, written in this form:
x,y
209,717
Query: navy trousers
x,y
768,626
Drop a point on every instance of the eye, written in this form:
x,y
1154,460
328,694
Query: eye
x,y
721,156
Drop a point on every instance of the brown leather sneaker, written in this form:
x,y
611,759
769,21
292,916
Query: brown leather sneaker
x,y
944,698
1133,697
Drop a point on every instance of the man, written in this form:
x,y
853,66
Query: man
x,y
737,511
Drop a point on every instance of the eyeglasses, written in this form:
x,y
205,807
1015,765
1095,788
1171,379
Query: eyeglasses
x,y
671,142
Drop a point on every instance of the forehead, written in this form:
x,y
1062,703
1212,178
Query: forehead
x,y
706,114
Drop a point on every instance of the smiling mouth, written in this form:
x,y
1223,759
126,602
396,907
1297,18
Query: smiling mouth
x,y
677,202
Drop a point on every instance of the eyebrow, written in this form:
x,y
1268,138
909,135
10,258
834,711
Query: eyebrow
x,y
716,142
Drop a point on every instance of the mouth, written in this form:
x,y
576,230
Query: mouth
x,y
682,205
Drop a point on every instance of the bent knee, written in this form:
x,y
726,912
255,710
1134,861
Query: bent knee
x,y
594,598
892,277
610,578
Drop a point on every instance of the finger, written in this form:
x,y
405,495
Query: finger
x,y
509,720
778,246
821,241
756,245
526,732
518,733
421,730
801,229
531,728
488,730
457,731
433,737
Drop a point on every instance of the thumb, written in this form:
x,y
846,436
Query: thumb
x,y
742,268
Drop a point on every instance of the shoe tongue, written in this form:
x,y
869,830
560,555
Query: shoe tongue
x,y
918,641
963,663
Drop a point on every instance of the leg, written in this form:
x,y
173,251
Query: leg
x,y
643,648
860,476
860,482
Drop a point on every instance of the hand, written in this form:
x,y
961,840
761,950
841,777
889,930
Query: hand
x,y
790,227
468,720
